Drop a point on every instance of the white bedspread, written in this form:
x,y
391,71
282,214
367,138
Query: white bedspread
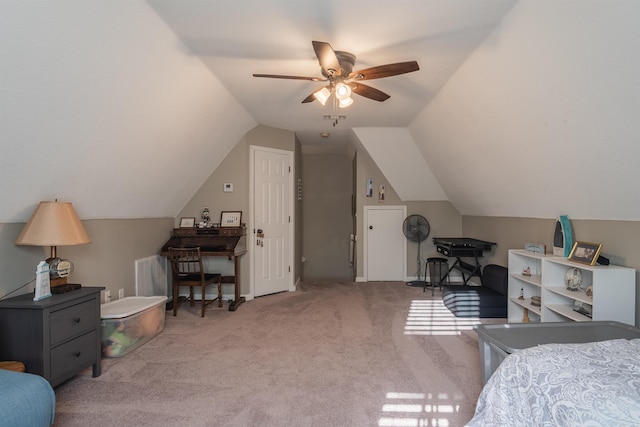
x,y
592,384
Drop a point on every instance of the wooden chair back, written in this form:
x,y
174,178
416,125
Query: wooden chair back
x,y
186,264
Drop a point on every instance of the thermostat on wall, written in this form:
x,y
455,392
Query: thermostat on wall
x,y
228,187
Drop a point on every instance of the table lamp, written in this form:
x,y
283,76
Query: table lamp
x,y
54,224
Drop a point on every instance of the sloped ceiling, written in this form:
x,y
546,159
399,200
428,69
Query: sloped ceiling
x,y
235,39
101,106
406,170
542,119
521,108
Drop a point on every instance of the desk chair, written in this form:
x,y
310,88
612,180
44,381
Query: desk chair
x,y
186,267
438,270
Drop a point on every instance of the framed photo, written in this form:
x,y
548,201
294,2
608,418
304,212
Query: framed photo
x,y
585,252
539,248
187,222
369,187
230,218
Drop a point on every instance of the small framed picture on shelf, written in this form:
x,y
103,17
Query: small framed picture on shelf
x,y
187,222
585,252
539,248
230,218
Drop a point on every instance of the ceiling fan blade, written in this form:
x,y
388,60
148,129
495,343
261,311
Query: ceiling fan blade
x,y
385,71
309,98
327,58
369,92
278,76
313,97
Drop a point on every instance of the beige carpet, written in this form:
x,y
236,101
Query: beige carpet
x,y
329,354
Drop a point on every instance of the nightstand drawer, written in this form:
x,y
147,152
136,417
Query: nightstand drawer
x,y
72,321
74,355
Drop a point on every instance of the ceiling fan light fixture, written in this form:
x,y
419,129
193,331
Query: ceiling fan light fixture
x,y
336,67
343,91
344,103
322,95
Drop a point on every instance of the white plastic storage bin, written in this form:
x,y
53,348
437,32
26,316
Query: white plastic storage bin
x,y
130,322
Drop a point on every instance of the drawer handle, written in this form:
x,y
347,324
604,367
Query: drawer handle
x,y
76,320
77,354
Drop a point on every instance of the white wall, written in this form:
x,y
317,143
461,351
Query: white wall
x,y
394,151
101,105
542,119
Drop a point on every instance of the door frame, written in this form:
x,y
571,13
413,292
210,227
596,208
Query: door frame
x,y
365,240
251,240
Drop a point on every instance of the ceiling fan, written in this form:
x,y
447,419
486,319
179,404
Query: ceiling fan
x,y
336,67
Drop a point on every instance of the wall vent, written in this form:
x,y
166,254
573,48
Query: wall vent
x,y
152,276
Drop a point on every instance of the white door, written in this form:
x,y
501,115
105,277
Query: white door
x,y
385,246
272,222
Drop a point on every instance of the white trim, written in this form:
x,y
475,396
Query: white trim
x,y
250,234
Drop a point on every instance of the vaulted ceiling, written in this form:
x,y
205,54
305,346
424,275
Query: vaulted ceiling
x,y
520,107
235,39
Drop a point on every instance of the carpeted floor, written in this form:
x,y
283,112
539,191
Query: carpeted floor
x,y
328,354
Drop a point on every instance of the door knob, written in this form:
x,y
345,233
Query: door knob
x,y
371,227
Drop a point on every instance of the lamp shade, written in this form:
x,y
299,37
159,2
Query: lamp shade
x,y
343,91
344,103
53,224
322,95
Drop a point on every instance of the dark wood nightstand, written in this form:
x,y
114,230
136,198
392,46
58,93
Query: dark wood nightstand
x,y
56,337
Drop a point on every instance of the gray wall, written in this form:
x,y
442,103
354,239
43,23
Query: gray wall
x,y
619,238
327,217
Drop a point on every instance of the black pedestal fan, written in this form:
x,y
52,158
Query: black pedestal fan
x,y
416,229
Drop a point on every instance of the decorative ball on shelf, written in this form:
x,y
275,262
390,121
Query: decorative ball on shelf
x,y
573,279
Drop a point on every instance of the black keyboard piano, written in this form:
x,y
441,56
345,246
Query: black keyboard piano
x,y
214,241
463,247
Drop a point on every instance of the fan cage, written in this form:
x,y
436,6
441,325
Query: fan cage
x,y
416,229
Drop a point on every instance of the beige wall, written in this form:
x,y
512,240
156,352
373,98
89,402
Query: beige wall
x,y
619,238
299,223
109,260
327,216
444,219
18,263
235,169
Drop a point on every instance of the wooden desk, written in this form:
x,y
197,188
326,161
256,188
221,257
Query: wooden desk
x,y
230,242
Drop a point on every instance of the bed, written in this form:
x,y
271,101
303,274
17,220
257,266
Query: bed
x,y
588,384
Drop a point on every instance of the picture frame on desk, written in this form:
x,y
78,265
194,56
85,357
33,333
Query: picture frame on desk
x,y
585,252
230,218
187,222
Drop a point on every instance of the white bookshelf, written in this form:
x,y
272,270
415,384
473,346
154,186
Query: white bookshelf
x,y
522,284
613,290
